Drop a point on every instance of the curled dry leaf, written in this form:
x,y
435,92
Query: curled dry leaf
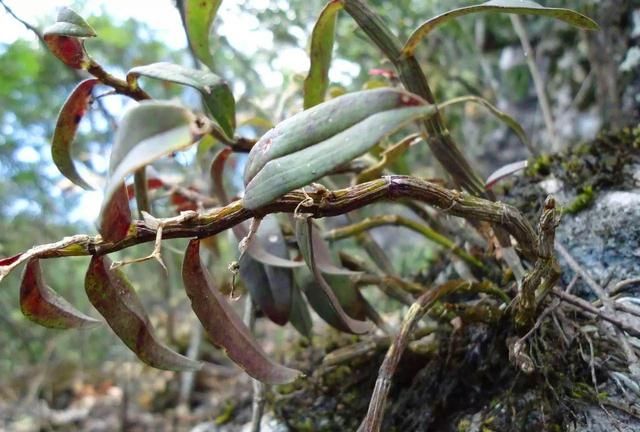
x,y
42,305
115,218
322,297
223,325
113,296
69,119
63,38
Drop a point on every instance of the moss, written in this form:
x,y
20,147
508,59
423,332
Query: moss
x,y
581,202
585,169
226,415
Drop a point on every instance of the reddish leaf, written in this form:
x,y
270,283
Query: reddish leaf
x,y
68,120
113,296
44,306
69,50
9,260
224,327
217,174
323,298
116,216
152,184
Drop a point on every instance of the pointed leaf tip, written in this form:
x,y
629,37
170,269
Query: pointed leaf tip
x,y
69,119
520,7
223,325
198,17
215,91
322,39
113,296
42,305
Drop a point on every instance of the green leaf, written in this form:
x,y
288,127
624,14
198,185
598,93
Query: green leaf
x,y
298,169
321,122
115,216
322,37
520,7
113,296
223,325
500,115
269,282
42,305
69,23
215,91
147,132
69,118
300,317
330,307
198,17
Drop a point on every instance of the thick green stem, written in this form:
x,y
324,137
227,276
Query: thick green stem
x,y
414,79
428,233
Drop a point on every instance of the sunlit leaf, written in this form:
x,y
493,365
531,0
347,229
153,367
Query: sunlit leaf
x,y
298,169
322,122
337,316
505,171
520,7
147,132
63,38
223,325
115,217
215,91
69,23
198,17
69,118
505,118
322,37
113,296
42,305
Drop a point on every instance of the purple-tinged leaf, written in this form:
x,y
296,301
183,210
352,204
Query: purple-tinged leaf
x,y
270,286
44,306
113,296
198,17
322,38
223,325
503,172
63,38
255,279
69,118
115,218
339,318
217,174
9,260
215,91
69,50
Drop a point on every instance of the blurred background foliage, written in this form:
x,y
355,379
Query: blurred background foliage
x,y
478,55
